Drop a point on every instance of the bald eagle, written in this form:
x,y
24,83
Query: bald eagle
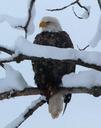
x,y
48,73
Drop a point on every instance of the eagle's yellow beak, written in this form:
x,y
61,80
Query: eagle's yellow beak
x,y
42,24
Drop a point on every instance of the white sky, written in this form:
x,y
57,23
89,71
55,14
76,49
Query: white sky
x,y
84,110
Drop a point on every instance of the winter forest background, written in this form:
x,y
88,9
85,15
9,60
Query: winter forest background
x,y
84,109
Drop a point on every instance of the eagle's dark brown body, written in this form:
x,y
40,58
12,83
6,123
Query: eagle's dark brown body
x,y
48,74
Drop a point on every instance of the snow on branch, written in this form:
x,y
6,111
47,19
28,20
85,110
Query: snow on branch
x,y
84,15
25,50
12,81
83,82
89,78
27,113
25,24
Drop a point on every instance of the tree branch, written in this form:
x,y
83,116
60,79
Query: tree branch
x,y
59,9
82,49
15,93
95,91
6,50
25,27
73,3
27,113
21,57
30,111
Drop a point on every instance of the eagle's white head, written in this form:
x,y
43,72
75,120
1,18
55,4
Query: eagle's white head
x,y
50,24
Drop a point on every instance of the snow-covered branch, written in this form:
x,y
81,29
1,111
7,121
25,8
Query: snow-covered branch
x,y
25,50
27,113
77,61
12,76
82,82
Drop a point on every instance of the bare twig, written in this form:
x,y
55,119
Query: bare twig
x,y
29,18
76,14
59,9
82,49
83,7
73,3
29,15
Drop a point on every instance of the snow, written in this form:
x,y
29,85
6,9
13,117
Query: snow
x,y
15,122
27,48
97,37
87,79
13,80
23,46
21,118
8,59
18,23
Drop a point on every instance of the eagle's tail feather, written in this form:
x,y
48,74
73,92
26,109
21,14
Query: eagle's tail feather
x,y
56,105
